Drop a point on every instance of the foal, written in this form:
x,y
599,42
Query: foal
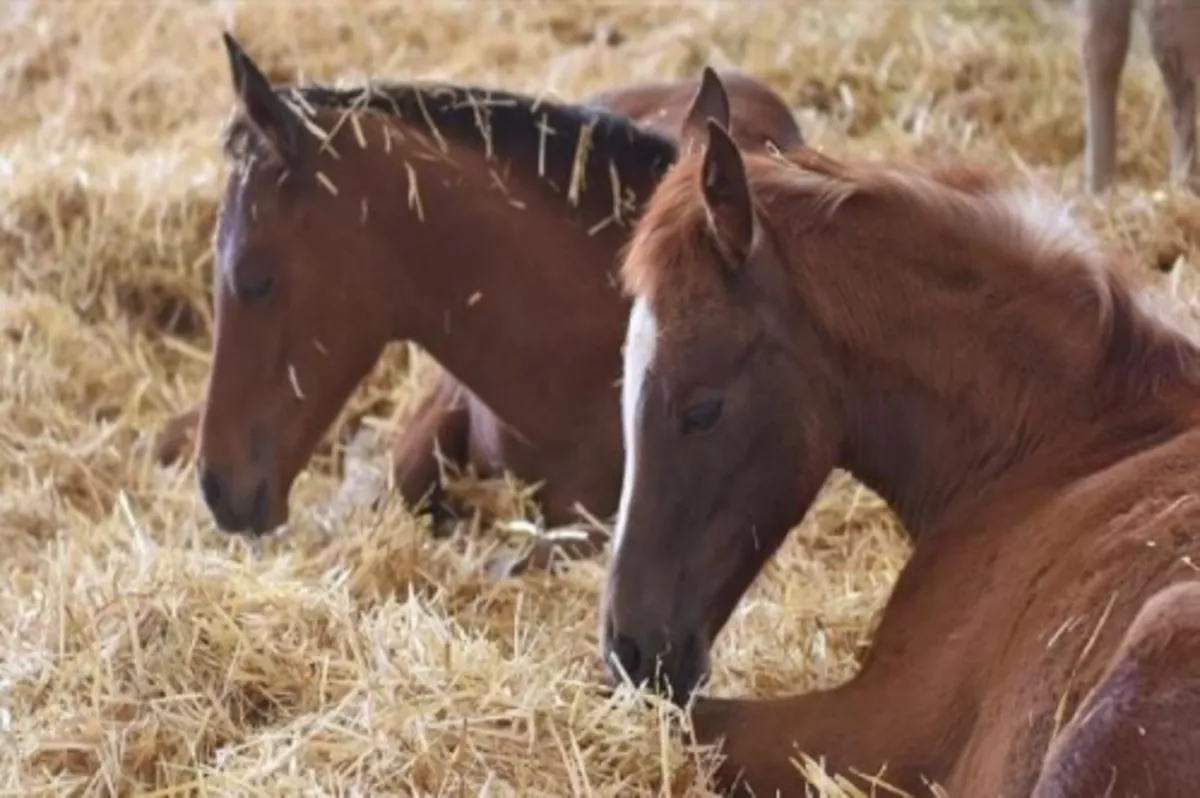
x,y
481,225
1174,28
967,352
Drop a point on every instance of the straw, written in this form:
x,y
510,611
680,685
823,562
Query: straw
x,y
142,651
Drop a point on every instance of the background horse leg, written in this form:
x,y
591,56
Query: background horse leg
x,y
1169,44
441,424
1103,47
1183,133
1135,733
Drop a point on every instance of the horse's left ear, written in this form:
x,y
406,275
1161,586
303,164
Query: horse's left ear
x,y
709,102
727,196
271,117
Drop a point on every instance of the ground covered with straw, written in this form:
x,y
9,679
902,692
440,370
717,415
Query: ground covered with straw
x,y
144,652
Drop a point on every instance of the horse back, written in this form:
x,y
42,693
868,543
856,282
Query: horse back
x,y
1136,732
757,112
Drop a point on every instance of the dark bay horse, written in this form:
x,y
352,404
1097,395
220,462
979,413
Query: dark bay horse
x,y
966,351
483,226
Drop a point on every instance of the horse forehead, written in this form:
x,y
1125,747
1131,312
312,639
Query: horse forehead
x,y
229,233
250,203
694,314
641,340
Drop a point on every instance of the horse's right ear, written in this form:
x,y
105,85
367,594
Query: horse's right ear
x,y
270,116
709,102
727,196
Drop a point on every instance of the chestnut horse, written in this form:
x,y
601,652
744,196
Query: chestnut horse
x,y
968,353
483,226
1174,28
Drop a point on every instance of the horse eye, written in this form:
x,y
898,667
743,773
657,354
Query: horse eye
x,y
255,289
700,416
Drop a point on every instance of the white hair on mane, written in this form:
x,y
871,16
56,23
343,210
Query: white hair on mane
x,y
1048,227
1038,222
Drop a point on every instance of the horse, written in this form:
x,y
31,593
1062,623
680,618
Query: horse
x,y
1174,28
964,348
482,225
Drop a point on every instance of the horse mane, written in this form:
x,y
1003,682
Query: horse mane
x,y
559,135
798,191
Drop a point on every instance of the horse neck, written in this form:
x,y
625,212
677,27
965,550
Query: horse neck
x,y
504,281
970,373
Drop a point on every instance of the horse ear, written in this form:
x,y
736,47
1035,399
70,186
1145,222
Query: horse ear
x,y
709,102
269,115
727,196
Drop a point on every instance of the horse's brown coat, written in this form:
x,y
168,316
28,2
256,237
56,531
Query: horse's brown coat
x,y
976,359
516,202
482,225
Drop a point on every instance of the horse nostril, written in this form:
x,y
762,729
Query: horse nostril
x,y
210,486
628,656
259,507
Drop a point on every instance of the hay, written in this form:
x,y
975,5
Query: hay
x,y
143,651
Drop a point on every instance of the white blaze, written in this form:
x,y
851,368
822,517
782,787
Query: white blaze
x,y
641,338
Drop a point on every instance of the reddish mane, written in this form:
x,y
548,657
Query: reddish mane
x,y
1034,240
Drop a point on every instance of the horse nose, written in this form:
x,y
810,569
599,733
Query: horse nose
x,y
628,658
210,487
231,512
671,668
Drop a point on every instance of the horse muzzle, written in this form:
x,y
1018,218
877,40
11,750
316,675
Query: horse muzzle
x,y
673,666
239,505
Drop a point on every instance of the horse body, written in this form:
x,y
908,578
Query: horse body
x,y
1174,29
760,117
1140,713
481,225
1012,611
1019,602
1013,620
967,353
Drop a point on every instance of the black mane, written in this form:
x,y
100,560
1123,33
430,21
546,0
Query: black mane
x,y
510,123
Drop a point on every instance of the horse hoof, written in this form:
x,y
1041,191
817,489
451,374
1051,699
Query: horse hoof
x,y
442,523
173,437
505,565
539,555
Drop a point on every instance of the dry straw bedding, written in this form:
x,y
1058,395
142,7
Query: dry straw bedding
x,y
143,652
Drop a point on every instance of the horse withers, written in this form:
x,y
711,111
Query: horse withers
x,y
969,353
482,225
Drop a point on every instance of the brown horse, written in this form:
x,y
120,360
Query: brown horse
x,y
967,352
483,226
1174,28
